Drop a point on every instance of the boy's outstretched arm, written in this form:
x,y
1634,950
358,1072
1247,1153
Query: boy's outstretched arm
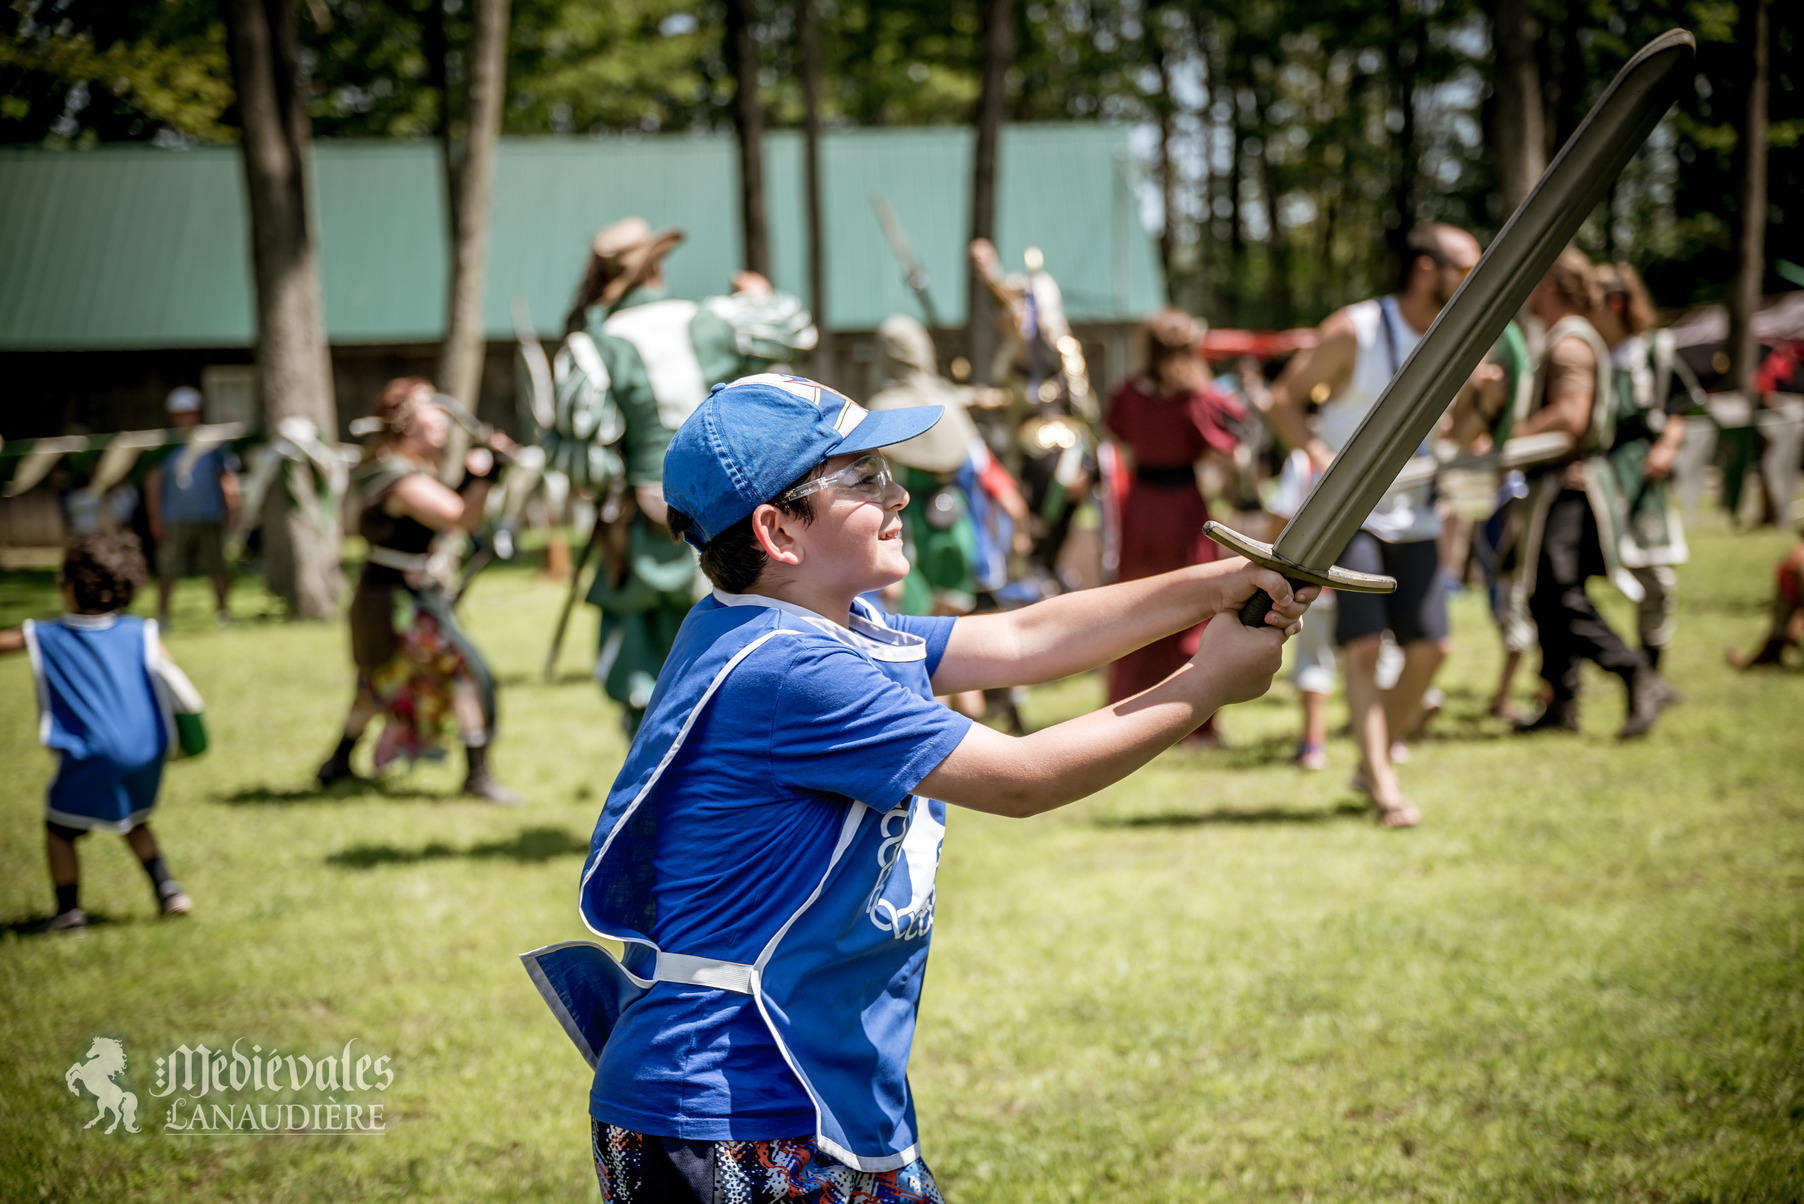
x,y
1086,628
1025,775
12,639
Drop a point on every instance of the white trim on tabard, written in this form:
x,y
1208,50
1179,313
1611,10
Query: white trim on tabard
x,y
737,977
30,630
555,1002
663,764
90,622
848,828
704,971
90,824
868,633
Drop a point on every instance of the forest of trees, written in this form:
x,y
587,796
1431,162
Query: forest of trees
x,y
1288,145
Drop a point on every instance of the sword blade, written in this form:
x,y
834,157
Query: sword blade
x,y
1362,472
1515,453
912,273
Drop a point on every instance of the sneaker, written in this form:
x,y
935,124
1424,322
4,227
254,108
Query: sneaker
x,y
74,921
173,900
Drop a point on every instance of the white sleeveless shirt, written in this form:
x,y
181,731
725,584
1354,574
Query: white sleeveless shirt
x,y
1385,341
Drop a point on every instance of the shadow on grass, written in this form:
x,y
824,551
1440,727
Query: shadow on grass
x,y
1264,815
531,845
536,677
34,925
340,792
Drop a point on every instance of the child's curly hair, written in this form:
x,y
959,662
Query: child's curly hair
x,y
104,570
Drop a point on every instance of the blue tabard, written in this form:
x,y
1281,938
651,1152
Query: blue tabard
x,y
839,982
99,708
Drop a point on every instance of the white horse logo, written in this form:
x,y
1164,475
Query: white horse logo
x,y
106,1058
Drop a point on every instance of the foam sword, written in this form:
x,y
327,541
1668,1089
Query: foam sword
x,y
1366,469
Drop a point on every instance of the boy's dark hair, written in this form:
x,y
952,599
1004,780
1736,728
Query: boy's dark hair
x,y
732,560
104,570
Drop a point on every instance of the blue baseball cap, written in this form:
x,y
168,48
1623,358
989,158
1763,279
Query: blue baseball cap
x,y
752,437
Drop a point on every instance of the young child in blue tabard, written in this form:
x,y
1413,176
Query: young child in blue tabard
x,y
767,853
100,712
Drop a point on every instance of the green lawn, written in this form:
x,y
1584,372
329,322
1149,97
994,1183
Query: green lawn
x,y
1580,979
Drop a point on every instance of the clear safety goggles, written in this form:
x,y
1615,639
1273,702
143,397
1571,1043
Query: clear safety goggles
x,y
867,478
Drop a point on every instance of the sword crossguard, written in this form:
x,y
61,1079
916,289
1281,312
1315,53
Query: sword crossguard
x,y
1334,577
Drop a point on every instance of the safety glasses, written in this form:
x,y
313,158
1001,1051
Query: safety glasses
x,y
867,478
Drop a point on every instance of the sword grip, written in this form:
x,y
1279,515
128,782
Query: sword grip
x,y
1255,608
1253,612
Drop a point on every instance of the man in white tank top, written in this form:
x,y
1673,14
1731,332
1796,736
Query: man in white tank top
x,y
1358,349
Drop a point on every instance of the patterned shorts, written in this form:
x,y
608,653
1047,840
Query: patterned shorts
x,y
637,1169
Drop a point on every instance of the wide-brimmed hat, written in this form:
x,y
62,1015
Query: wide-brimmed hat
x,y
627,251
914,381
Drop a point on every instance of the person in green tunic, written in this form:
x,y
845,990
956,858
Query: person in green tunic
x,y
660,357
1653,389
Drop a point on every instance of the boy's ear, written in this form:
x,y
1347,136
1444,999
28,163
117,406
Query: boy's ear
x,y
770,527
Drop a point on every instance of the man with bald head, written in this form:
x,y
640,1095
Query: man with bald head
x,y
1316,404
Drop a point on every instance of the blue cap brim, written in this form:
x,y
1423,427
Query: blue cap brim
x,y
881,428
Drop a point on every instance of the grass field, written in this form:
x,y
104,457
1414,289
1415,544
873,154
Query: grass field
x,y
1580,979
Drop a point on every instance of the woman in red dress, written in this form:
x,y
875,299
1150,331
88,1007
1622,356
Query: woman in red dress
x,y
1164,421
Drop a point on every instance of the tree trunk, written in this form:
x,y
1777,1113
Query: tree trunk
x,y
998,44
809,35
1277,247
461,357
294,369
1165,107
1209,239
1405,55
1570,89
748,125
1237,248
1520,122
1750,243
437,48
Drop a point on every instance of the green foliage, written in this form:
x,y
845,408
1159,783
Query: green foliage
x,y
89,70
638,65
1295,171
1582,978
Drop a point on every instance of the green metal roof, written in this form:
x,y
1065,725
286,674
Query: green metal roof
x,y
135,247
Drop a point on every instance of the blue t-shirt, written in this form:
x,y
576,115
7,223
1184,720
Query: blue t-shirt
x,y
748,814
195,496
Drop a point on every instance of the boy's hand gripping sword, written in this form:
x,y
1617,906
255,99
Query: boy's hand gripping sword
x,y
1365,469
